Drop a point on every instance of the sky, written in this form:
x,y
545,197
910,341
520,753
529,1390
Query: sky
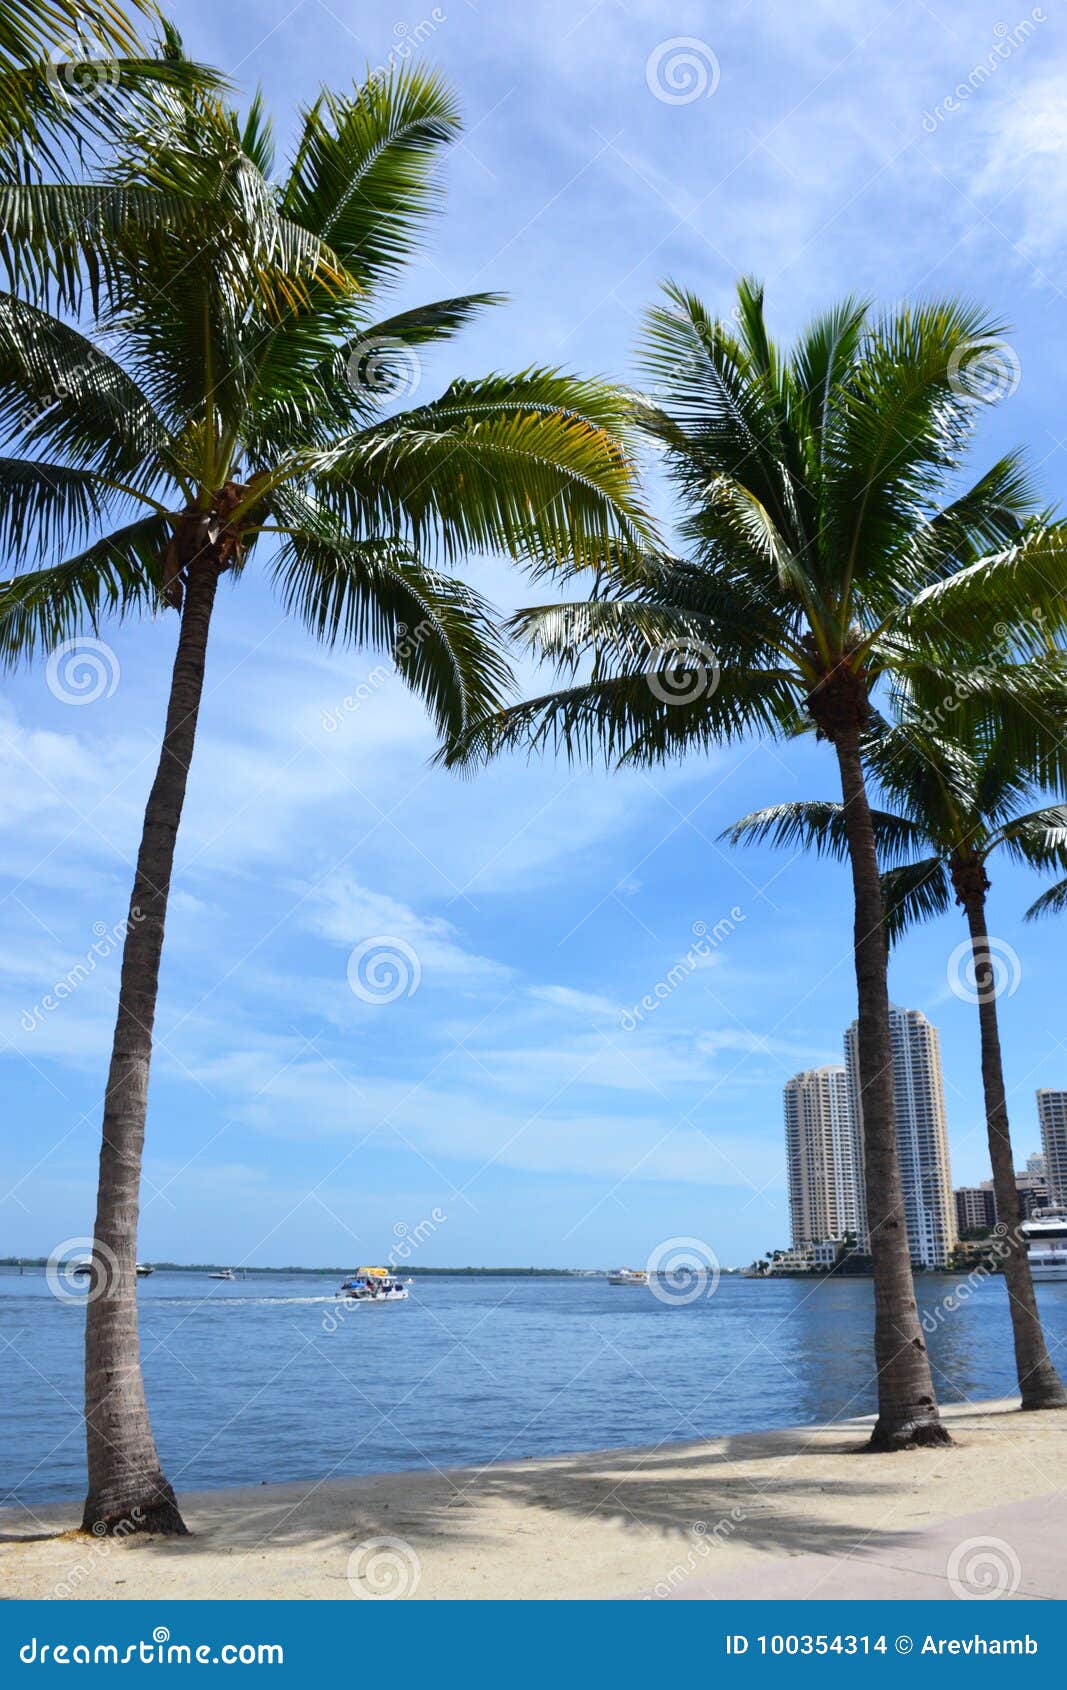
x,y
490,1095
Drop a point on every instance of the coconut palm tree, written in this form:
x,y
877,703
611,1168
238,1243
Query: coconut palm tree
x,y
237,405
827,546
955,801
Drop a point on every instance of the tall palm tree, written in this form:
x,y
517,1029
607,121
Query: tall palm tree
x,y
827,547
234,405
955,802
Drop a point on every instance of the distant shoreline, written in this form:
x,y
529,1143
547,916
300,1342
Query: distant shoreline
x,y
333,1272
409,1269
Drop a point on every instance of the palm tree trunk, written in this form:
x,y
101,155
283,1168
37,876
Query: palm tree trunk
x,y
1038,1380
907,1407
126,1483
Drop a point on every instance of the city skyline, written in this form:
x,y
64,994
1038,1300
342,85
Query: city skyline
x,y
824,1144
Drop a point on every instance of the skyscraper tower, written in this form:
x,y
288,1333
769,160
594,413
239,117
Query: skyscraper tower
x,y
823,1157
922,1133
1052,1113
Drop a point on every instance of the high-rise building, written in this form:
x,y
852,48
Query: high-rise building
x,y
976,1209
823,1157
922,1132
1052,1113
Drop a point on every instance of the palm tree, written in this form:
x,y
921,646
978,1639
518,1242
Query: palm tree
x,y
234,403
955,801
826,548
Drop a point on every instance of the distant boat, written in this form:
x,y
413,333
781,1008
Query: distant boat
x,y
1046,1243
628,1276
143,1269
375,1285
223,1273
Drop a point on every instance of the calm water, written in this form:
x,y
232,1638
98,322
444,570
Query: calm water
x,y
247,1383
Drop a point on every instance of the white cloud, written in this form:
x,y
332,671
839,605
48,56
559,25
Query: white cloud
x,y
346,913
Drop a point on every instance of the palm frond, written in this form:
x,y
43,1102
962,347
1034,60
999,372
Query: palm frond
x,y
819,825
362,177
1052,902
60,393
1038,839
913,893
119,575
530,465
443,638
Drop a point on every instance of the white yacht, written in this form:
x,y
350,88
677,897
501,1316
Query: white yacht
x,y
1046,1243
223,1273
628,1276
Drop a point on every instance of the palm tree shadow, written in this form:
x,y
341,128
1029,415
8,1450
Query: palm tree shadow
x,y
681,1493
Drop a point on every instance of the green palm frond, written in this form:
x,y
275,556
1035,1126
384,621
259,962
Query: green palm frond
x,y
1038,839
62,394
819,825
1015,598
1051,902
119,575
441,634
530,465
437,321
43,504
914,893
362,178
30,29
643,717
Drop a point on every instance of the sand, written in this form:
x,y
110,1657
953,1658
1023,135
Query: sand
x,y
798,1513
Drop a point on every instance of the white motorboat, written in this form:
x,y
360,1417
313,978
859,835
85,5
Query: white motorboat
x,y
628,1276
1046,1243
223,1273
375,1285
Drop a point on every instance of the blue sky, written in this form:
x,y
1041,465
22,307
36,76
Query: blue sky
x,y
293,1122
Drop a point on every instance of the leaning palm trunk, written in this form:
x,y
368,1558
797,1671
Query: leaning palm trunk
x,y
1039,1382
126,1482
907,1406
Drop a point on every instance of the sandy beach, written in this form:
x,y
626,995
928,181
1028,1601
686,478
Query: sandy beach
x,y
798,1513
